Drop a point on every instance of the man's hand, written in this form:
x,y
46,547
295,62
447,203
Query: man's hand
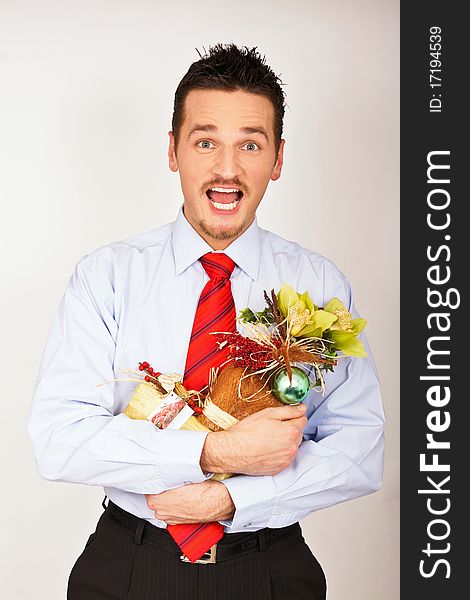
x,y
262,444
193,503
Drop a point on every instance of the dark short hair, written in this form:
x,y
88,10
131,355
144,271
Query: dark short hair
x,y
231,68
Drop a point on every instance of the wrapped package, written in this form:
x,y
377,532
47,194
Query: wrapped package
x,y
221,408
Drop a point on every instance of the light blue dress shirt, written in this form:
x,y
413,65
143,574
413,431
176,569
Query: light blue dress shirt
x,y
135,300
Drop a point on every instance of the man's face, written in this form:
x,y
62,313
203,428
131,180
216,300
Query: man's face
x,y
226,156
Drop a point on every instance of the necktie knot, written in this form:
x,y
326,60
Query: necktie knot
x,y
217,265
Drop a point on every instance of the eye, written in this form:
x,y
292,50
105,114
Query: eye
x,y
205,144
251,146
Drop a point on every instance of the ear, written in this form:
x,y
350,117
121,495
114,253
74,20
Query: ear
x,y
172,160
279,162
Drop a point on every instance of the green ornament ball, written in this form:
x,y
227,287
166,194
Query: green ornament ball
x,y
290,392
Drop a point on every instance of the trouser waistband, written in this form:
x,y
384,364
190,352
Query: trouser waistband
x,y
230,546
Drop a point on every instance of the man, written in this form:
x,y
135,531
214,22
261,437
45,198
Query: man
x,y
142,298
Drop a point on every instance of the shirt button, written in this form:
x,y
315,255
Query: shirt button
x,y
247,524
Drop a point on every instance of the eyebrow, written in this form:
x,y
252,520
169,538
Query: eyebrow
x,y
243,130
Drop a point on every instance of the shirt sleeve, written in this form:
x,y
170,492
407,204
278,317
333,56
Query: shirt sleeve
x,y
341,457
76,435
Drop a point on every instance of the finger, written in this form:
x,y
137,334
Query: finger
x,y
284,413
299,423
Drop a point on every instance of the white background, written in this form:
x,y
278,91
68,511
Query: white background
x,y
86,92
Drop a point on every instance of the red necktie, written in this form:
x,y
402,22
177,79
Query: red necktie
x,y
215,312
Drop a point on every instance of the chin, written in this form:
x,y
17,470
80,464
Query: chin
x,y
221,232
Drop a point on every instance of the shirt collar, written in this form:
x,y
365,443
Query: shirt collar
x,y
189,246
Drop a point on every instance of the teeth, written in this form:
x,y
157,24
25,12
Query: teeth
x,y
230,206
224,190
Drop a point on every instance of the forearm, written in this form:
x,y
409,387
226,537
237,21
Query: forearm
x,y
114,451
196,503
317,478
216,454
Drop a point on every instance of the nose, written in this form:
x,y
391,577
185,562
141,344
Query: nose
x,y
226,166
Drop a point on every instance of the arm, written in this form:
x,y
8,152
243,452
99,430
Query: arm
x,y
340,458
263,443
73,427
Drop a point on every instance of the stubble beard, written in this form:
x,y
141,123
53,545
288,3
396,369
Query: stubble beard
x,y
221,232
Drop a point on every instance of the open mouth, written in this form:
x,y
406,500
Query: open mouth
x,y
224,198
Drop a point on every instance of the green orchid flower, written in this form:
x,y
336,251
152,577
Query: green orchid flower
x,y
304,317
286,297
345,329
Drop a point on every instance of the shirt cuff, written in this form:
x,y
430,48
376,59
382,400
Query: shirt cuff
x,y
253,498
183,450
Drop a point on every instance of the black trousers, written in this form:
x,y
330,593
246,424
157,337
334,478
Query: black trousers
x,y
132,561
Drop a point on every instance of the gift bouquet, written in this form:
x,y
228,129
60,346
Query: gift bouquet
x,y
283,352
